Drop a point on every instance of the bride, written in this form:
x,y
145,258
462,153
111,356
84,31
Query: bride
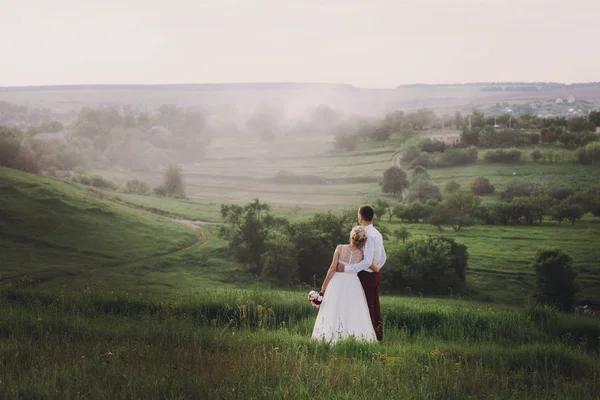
x,y
344,311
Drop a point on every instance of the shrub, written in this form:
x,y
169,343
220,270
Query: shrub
x,y
555,278
482,186
536,155
518,188
432,146
137,187
100,182
345,142
423,189
410,154
458,156
423,160
9,152
503,156
173,181
92,180
433,264
452,187
159,191
589,154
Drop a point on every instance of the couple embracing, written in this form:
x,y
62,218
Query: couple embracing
x,y
350,306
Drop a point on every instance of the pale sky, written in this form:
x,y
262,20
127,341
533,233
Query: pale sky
x,y
367,43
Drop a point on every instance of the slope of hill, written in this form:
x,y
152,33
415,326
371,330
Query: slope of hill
x,y
52,230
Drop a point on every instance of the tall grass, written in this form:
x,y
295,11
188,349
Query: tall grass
x,y
255,343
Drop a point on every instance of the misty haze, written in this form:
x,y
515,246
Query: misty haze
x,y
178,179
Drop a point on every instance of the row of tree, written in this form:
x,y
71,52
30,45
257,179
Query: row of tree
x,y
523,201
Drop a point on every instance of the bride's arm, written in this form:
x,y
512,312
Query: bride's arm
x,y
332,267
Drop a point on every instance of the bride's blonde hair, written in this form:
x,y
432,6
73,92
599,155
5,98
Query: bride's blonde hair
x,y
358,236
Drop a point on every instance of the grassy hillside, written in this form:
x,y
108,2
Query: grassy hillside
x,y
53,231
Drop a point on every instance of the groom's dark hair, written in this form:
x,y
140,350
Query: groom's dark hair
x,y
366,212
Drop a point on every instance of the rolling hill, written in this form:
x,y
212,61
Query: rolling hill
x,y
63,233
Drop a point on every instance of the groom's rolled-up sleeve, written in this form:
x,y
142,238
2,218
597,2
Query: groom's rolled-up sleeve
x,y
366,261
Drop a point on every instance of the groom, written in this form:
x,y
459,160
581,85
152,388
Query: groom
x,y
373,253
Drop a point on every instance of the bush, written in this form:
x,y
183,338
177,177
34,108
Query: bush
x,y
159,191
345,143
93,180
536,155
458,156
589,154
519,188
452,187
9,152
137,187
482,186
100,182
173,181
573,140
428,264
423,189
503,156
423,160
410,154
493,138
555,278
432,146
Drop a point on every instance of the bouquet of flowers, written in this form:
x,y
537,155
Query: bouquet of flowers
x,y
315,298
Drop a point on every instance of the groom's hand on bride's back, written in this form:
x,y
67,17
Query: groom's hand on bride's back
x,y
340,267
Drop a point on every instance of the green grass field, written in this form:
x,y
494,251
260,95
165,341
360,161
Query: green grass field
x,y
255,343
103,295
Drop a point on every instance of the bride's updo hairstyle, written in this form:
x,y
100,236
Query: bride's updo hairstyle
x,y
358,236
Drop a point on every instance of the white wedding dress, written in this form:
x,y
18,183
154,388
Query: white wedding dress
x,y
344,311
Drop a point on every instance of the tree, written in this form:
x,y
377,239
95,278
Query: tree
x,y
280,263
394,180
432,146
137,187
564,210
434,264
482,186
401,233
315,240
579,124
344,142
452,187
555,278
422,190
173,181
458,120
594,118
380,207
421,118
460,209
247,230
420,172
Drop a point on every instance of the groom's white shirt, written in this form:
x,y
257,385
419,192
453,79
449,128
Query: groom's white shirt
x,y
374,251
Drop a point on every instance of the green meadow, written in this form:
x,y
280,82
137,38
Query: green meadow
x,y
111,295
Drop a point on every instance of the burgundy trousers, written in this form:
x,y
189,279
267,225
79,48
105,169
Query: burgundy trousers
x,y
370,284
